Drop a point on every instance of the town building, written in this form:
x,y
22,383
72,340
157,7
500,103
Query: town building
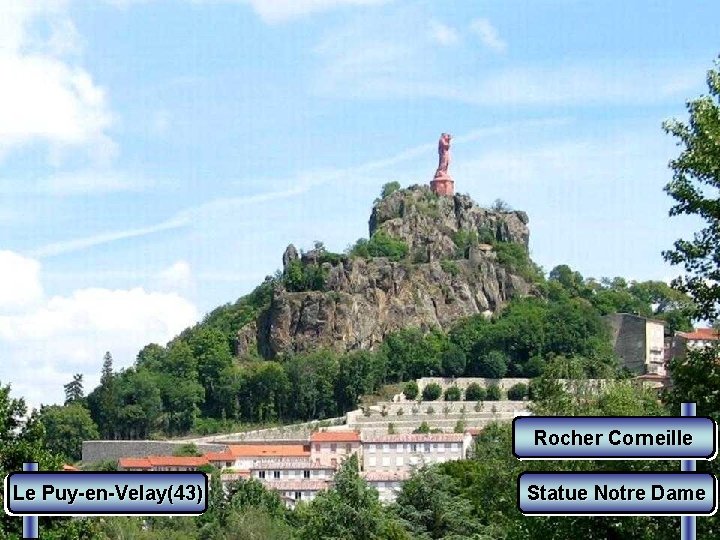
x,y
332,447
162,463
388,484
392,453
699,338
639,343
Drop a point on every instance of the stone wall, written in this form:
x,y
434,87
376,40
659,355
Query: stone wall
x,y
95,451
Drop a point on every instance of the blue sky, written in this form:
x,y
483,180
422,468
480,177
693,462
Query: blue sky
x,y
156,157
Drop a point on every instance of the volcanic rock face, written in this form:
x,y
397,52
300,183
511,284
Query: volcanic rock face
x,y
437,284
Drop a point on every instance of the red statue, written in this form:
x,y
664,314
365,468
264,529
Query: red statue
x,y
443,184
444,153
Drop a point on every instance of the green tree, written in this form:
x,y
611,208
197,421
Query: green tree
x,y
430,506
475,392
453,361
518,391
74,389
694,188
411,390
389,188
431,392
350,509
66,427
493,393
453,394
493,366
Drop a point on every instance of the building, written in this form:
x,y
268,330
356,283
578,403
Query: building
x,y
403,453
330,448
162,463
388,484
699,338
277,470
294,491
639,342
246,455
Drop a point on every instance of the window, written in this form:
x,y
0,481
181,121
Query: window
x,y
386,447
399,461
261,474
333,448
386,461
348,448
400,448
276,474
413,447
372,448
298,495
317,447
427,448
306,474
372,461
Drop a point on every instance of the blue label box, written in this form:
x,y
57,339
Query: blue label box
x,y
622,437
110,493
617,494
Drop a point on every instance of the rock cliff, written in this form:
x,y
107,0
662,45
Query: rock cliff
x,y
453,268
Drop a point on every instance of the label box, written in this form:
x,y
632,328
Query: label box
x,y
614,437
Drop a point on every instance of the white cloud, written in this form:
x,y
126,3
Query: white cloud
x,y
488,35
274,11
443,34
44,96
87,182
20,284
62,335
176,276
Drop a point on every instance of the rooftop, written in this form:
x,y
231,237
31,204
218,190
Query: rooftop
x,y
162,461
297,485
386,476
335,436
701,334
416,438
268,450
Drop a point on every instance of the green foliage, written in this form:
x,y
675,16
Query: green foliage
x,y
389,188
431,392
464,239
694,188
493,393
459,426
74,392
424,428
450,267
500,205
187,450
453,361
350,509
300,277
518,392
380,245
453,394
475,392
411,390
492,366
66,427
515,257
412,354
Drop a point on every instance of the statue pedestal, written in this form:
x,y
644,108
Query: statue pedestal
x,y
442,184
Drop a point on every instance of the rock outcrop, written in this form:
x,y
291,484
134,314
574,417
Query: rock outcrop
x,y
451,271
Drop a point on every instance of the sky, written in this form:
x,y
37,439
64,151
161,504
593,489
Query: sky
x,y
156,156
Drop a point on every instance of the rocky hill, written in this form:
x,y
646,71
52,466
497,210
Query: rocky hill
x,y
450,259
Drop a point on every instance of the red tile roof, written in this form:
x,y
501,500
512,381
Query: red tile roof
x,y
134,463
268,450
219,456
335,436
177,461
161,461
416,438
701,334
